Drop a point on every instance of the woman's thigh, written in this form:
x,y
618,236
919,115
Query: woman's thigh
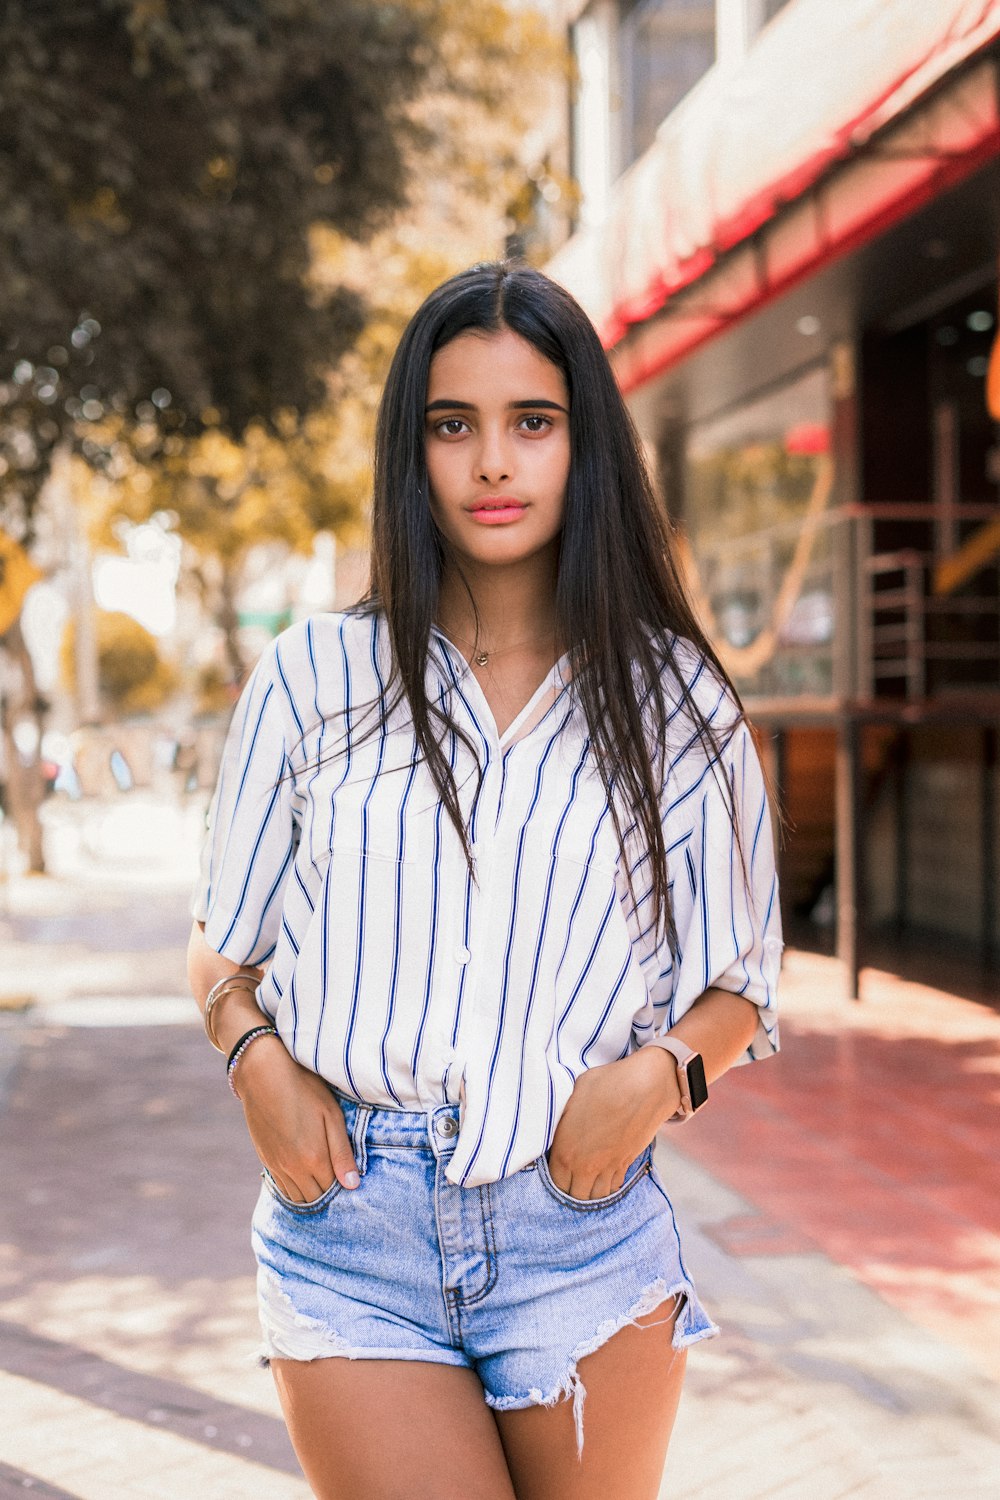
x,y
633,1385
384,1429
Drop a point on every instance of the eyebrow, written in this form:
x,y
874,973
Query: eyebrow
x,y
448,405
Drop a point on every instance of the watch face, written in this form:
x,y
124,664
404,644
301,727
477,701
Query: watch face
x,y
697,1084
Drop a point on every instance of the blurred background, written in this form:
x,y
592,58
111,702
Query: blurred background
x,y
783,217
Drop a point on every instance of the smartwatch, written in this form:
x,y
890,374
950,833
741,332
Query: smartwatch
x,y
690,1076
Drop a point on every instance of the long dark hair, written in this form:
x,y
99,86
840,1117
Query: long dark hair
x,y
620,600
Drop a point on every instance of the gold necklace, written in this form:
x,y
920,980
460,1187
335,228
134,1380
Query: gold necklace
x,y
482,658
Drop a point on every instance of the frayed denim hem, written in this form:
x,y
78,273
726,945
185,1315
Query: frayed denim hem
x,y
688,1329
289,1334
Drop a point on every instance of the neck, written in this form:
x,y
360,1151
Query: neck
x,y
514,604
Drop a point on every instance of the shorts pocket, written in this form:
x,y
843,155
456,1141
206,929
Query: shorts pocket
x,y
313,1206
639,1169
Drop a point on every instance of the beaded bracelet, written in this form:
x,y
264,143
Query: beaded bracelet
x,y
245,1041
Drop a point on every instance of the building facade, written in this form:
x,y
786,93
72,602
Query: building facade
x,y
788,236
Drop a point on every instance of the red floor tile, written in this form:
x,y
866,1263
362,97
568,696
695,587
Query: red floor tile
x,y
874,1137
756,1234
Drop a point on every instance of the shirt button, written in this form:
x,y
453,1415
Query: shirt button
x,y
447,1126
463,955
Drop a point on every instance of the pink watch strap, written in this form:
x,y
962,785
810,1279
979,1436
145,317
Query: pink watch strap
x,y
681,1052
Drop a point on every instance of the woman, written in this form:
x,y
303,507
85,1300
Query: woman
x,y
495,844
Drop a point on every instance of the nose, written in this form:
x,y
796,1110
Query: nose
x,y
493,460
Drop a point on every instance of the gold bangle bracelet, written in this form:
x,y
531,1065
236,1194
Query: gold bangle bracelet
x,y
225,986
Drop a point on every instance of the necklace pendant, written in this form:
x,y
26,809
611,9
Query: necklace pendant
x,y
482,658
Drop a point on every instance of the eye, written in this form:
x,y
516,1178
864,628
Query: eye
x,y
451,427
535,422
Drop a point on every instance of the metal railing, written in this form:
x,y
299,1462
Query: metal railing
x,y
864,622
915,642
893,585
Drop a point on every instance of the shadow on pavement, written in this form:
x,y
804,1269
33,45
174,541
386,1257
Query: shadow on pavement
x,y
146,1398
129,1183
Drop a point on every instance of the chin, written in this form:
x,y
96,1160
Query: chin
x,y
506,556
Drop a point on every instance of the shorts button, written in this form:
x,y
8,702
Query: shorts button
x,y
447,1126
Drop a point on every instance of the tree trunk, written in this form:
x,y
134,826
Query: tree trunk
x,y
229,623
25,787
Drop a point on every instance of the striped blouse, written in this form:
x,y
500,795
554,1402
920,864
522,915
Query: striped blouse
x,y
405,982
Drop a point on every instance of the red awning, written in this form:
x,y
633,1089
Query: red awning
x,y
826,85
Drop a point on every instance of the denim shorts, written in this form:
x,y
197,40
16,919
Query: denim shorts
x,y
514,1279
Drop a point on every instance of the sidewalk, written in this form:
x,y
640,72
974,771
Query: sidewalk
x,y
838,1205
844,1216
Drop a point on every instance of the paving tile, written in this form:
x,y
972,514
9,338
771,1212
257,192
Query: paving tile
x,y
821,1344
96,1454
758,1234
846,1236
17,1482
205,1476
941,1476
761,1463
834,1141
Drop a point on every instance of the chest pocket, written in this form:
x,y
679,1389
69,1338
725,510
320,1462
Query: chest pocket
x,y
376,827
591,841
375,808
571,821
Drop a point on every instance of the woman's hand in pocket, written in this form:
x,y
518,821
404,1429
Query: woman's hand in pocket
x,y
295,1123
611,1116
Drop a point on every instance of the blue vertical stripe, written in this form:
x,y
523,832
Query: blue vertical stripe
x,y
325,932
362,928
407,978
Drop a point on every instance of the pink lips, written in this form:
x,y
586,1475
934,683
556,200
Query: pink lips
x,y
495,512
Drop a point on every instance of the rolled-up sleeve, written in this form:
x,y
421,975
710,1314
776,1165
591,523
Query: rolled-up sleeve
x,y
723,889
252,835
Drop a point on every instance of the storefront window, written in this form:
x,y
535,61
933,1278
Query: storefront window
x,y
666,46
756,517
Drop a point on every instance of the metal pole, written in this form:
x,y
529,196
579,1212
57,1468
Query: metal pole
x,y
991,893
848,852
902,811
865,676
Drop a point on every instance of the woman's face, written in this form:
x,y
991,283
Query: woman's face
x,y
498,447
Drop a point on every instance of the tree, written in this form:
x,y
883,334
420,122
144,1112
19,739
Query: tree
x,y
283,482
162,169
224,498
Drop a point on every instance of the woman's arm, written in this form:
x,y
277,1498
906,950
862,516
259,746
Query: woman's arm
x,y
295,1123
714,802
616,1109
237,1011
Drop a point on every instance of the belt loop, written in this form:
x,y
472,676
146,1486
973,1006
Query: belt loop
x,y
358,1135
443,1130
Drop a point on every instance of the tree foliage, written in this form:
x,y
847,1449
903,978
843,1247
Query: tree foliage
x,y
180,186
132,674
160,168
225,498
293,469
